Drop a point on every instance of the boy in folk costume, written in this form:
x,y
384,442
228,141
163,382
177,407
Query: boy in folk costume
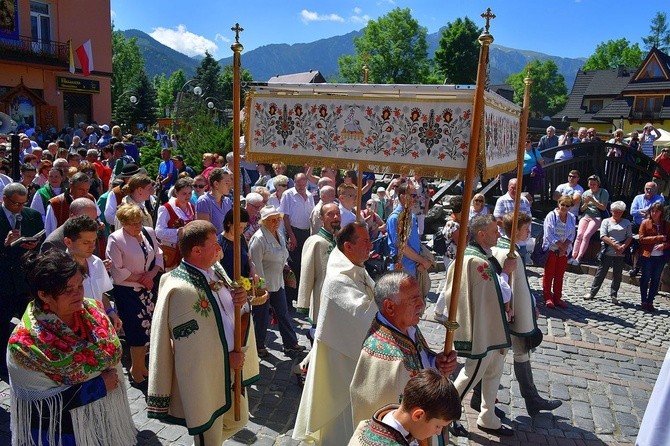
x,y
429,403
192,339
523,325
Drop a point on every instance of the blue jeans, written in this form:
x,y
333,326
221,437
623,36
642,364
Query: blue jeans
x,y
652,268
261,315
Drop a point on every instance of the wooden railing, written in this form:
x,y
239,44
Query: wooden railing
x,y
623,177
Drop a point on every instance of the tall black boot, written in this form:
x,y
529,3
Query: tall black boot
x,y
534,402
476,401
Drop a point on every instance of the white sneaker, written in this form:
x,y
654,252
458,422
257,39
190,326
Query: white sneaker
x,y
587,296
574,262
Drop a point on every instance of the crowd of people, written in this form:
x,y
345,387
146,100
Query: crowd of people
x,y
152,260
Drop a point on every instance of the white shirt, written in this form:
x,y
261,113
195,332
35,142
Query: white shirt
x,y
38,205
346,216
566,190
167,235
50,222
297,208
226,307
97,282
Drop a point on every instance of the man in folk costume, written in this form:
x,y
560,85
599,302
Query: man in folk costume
x,y
192,340
523,324
394,350
59,206
346,311
483,336
429,403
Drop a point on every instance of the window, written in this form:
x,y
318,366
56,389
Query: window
x,y
651,71
40,26
595,105
648,104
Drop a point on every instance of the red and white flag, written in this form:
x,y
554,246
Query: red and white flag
x,y
85,56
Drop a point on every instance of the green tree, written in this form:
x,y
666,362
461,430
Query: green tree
x,y
143,110
457,57
659,33
226,81
612,54
395,49
127,62
167,90
548,93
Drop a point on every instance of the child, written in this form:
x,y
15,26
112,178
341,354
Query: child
x,y
429,403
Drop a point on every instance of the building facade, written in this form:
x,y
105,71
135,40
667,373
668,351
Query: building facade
x,y
36,86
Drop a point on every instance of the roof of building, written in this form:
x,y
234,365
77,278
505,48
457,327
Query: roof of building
x,y
308,77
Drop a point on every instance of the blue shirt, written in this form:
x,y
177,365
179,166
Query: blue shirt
x,y
640,203
166,168
413,241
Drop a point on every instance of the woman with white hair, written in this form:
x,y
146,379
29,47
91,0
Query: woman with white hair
x,y
616,234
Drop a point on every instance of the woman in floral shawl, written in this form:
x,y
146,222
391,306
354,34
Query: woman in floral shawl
x,y
64,364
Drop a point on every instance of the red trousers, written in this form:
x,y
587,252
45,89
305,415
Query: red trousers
x,y
552,282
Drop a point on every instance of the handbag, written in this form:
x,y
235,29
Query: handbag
x,y
535,339
171,256
289,277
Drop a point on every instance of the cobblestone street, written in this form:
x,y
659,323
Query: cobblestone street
x,y
600,359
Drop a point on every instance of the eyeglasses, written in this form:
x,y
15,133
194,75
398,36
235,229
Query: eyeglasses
x,y
566,205
17,203
479,201
573,176
649,189
199,186
369,205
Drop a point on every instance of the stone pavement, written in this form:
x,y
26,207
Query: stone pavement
x,y
600,359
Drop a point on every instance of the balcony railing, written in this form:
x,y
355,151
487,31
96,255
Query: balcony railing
x,y
24,49
646,115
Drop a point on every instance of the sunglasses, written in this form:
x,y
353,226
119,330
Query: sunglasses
x,y
479,201
199,186
573,176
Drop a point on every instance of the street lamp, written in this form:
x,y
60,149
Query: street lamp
x,y
197,90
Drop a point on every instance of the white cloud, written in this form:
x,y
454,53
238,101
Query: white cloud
x,y
310,16
360,18
184,41
357,10
221,37
112,14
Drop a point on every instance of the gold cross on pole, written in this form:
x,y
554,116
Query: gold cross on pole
x,y
488,15
238,29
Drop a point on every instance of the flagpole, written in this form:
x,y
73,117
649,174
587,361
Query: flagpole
x,y
237,248
523,128
485,39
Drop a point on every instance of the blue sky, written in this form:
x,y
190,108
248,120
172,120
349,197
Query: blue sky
x,y
568,28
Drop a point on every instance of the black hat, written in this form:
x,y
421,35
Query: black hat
x,y
128,170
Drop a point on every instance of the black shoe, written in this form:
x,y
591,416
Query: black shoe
x,y
295,349
458,430
263,353
142,386
535,408
502,431
634,271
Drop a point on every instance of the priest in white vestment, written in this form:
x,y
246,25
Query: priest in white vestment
x,y
347,310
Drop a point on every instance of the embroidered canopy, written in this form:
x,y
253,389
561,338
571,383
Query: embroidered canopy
x,y
424,129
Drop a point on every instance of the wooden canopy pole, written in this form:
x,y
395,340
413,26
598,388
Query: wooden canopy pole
x,y
523,128
237,248
485,40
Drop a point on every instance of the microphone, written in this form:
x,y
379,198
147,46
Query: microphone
x,y
17,225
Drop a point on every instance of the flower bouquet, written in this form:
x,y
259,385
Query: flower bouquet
x,y
257,293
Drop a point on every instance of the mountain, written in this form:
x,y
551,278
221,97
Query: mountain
x,y
159,58
271,60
